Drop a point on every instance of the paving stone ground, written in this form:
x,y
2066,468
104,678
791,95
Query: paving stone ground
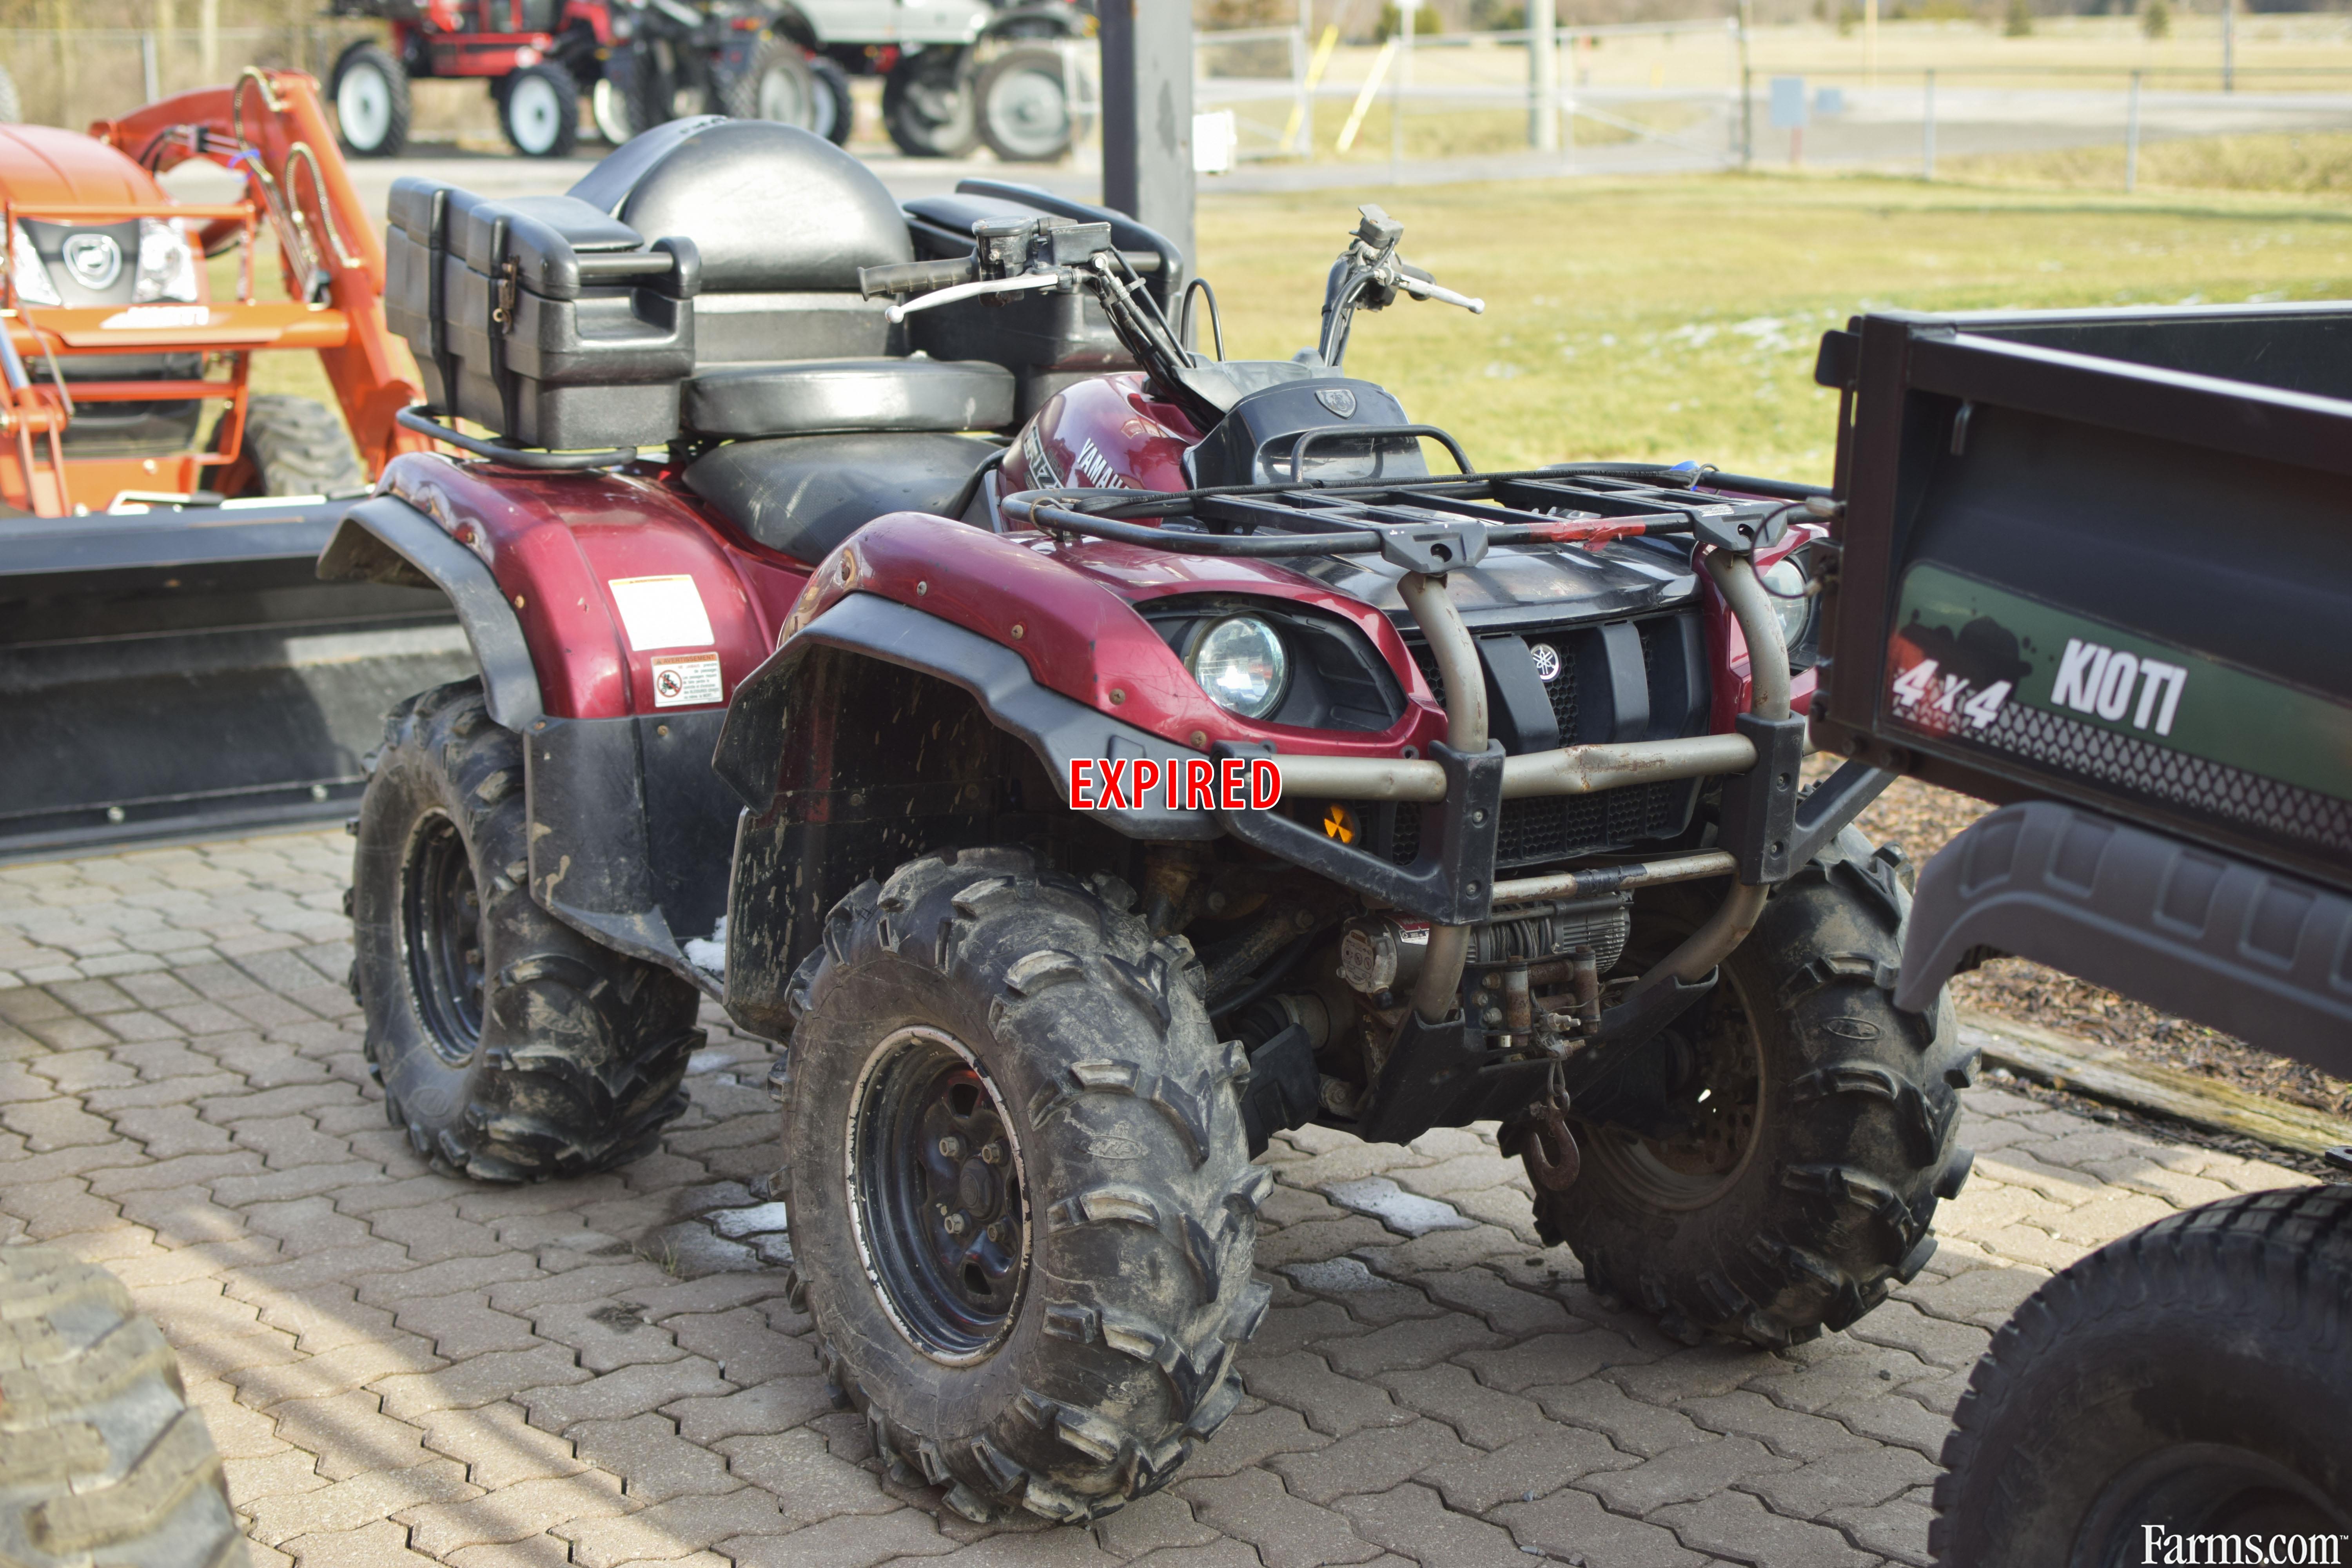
x,y
403,1367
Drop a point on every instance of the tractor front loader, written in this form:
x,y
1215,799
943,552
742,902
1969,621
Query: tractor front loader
x,y
170,657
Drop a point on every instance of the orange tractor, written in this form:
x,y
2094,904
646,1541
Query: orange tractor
x,y
169,661
112,327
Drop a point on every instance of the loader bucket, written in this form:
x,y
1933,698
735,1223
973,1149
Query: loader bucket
x,y
186,672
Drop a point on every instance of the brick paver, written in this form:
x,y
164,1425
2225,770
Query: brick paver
x,y
405,1368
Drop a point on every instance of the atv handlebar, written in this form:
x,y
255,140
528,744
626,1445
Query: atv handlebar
x,y
913,277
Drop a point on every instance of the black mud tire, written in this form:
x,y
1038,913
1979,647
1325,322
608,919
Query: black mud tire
x,y
514,1048
1821,1198
927,105
1132,1217
370,91
297,447
2192,1376
101,1459
538,110
779,85
836,107
1009,91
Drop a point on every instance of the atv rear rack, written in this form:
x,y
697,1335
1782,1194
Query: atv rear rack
x,y
1435,526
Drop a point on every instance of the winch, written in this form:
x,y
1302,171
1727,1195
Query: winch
x,y
1381,953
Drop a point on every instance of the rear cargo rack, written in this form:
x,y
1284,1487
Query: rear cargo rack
x,y
1429,525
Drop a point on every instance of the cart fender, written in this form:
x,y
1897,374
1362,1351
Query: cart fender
x,y
2251,951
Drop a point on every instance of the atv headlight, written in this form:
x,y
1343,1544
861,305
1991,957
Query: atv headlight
x,y
34,285
1785,580
1240,663
167,265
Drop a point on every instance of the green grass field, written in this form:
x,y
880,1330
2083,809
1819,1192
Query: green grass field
x,y
1678,318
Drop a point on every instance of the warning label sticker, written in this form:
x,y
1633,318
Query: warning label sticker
x,y
681,680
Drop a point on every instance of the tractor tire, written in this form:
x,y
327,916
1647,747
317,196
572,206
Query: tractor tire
x,y
1825,1124
777,85
2190,1379
836,108
539,109
369,90
1025,107
299,447
927,105
613,103
100,1456
509,1047
979,1033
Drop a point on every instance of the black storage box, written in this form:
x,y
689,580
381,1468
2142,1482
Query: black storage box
x,y
1047,340
540,317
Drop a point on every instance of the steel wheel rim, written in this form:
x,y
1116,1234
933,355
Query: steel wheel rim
x,y
782,100
1691,1173
607,107
441,937
952,1293
363,106
2199,1489
534,111
1030,114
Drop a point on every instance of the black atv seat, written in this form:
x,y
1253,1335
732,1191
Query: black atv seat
x,y
812,396
804,495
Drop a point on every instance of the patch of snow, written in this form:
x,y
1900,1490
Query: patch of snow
x,y
708,953
1407,1214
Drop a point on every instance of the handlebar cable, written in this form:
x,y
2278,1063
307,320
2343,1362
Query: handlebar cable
x,y
1216,324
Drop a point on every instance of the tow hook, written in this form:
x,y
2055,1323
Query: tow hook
x,y
1549,1148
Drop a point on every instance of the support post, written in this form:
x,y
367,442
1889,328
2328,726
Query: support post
x,y
148,75
1746,89
2131,140
1543,76
1870,43
208,39
1147,102
1927,133
2229,46
1409,13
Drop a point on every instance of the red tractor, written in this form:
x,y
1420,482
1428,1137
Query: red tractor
x,y
640,62
1085,759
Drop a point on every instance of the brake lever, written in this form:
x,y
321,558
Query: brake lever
x,y
1422,289
899,310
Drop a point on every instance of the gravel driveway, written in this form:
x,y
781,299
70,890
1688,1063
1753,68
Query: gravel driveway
x,y
403,1366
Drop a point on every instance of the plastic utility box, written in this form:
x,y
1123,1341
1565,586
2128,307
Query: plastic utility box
x,y
541,318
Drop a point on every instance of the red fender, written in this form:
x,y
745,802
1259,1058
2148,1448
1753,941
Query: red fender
x,y
1069,610
557,543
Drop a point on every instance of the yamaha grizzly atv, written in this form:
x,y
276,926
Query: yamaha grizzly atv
x,y
1103,757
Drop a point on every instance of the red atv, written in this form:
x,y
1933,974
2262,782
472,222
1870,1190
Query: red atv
x,y
640,62
1081,802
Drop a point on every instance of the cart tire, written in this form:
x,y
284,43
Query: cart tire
x,y
980,1032
1828,1131
927,105
836,108
1025,107
100,1456
370,90
509,1045
296,447
777,85
2191,1378
539,109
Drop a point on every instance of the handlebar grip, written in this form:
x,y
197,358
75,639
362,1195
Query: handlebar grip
x,y
913,277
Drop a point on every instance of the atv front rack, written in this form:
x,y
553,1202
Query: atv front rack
x,y
1428,525
1431,527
